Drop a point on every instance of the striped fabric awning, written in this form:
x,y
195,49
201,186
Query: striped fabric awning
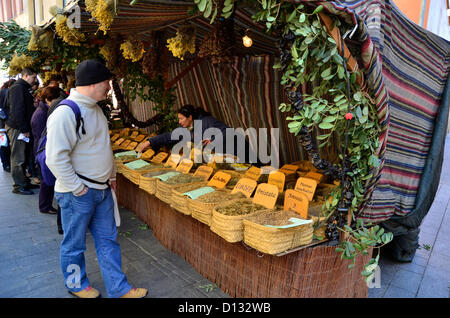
x,y
406,70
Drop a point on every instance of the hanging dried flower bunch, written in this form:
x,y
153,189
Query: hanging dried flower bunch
x,y
103,11
155,60
110,53
41,40
183,42
18,63
69,35
218,45
132,48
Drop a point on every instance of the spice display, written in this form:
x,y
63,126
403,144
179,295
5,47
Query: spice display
x,y
240,208
183,178
154,173
219,195
183,42
126,158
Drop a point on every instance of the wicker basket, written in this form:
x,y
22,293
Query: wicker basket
x,y
179,201
272,240
164,189
147,181
135,175
202,211
230,227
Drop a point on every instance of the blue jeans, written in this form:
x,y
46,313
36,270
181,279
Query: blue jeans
x,y
93,211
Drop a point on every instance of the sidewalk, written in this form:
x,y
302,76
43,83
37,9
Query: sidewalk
x,y
29,255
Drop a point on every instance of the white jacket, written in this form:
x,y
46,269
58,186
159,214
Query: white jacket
x,y
91,155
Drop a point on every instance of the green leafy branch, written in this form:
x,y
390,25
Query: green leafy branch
x,y
315,60
138,85
360,240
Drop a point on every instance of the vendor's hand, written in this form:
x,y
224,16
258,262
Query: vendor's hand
x,y
82,192
112,183
27,135
143,146
206,142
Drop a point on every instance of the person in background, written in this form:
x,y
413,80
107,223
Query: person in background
x,y
5,152
83,164
18,128
38,124
188,116
32,168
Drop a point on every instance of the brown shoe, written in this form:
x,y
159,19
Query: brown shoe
x,y
88,292
136,293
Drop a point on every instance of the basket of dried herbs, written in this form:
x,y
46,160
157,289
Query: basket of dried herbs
x,y
134,175
227,218
164,188
203,206
276,231
147,181
180,201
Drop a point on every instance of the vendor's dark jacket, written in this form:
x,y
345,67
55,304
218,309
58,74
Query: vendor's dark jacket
x,y
20,106
208,121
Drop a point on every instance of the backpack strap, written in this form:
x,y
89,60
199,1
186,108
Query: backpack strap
x,y
77,112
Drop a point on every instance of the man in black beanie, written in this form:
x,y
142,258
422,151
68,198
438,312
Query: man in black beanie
x,y
83,164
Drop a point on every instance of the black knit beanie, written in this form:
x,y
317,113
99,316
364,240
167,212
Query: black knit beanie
x,y
91,72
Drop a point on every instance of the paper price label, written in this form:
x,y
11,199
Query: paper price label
x,y
119,141
124,132
253,173
219,180
289,169
114,137
306,186
266,195
315,175
185,166
204,172
134,134
267,169
139,138
297,202
148,154
173,161
131,146
125,143
160,157
245,186
277,178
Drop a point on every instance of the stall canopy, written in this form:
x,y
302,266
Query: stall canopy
x,y
405,66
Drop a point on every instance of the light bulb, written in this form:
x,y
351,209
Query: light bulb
x,y
247,41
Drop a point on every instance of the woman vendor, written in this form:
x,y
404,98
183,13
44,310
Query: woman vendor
x,y
188,115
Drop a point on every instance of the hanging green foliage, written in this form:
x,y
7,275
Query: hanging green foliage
x,y
138,85
14,42
313,59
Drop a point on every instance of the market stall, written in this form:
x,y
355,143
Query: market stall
x,y
359,95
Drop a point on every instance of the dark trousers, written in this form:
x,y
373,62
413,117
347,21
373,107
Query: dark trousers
x,y
46,194
5,154
19,158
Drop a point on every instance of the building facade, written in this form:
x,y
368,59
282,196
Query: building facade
x,y
28,12
433,15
